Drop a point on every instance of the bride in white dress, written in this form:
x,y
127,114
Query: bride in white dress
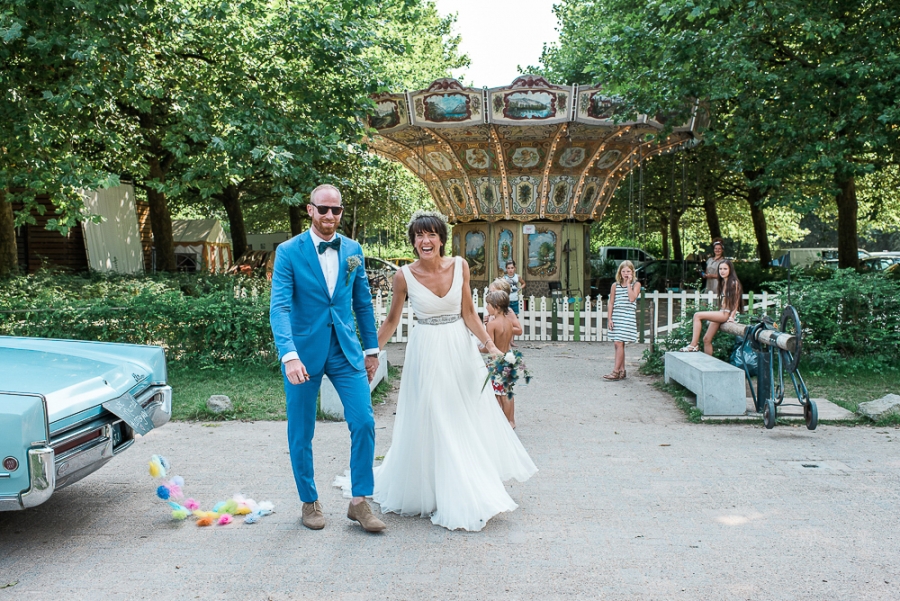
x,y
452,447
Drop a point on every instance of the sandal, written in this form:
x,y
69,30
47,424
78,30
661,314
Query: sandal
x,y
689,349
615,375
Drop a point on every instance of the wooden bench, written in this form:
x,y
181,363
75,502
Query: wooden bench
x,y
719,386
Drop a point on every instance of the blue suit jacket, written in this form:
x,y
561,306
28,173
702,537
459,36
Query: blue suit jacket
x,y
303,315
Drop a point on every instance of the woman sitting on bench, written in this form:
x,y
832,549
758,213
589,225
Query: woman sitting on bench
x,y
730,298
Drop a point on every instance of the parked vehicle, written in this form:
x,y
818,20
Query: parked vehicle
x,y
881,260
622,253
661,275
879,263
806,257
68,407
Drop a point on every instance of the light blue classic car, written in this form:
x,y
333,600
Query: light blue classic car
x,y
67,407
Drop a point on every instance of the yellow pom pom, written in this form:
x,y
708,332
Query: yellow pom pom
x,y
155,471
242,510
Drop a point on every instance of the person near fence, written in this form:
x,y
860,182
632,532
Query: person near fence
x,y
502,284
320,299
500,329
621,319
730,299
711,274
516,285
452,447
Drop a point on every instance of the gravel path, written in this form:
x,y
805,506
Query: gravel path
x,y
631,502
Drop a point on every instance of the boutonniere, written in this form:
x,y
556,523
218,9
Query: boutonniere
x,y
353,262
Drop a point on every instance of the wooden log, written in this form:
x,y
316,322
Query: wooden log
x,y
783,341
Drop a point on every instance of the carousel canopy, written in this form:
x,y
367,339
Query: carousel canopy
x,y
529,151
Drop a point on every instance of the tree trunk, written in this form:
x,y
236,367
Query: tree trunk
x,y
674,224
712,217
754,198
664,230
9,257
231,200
160,220
710,206
848,210
296,216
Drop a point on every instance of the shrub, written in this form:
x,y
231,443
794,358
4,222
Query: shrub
x,y
200,320
848,316
756,278
849,320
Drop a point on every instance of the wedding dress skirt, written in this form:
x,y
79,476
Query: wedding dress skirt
x,y
452,447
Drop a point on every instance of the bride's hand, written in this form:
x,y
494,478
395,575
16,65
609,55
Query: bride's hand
x,y
491,348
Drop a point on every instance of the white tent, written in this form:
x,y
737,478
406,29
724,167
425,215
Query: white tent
x,y
114,244
201,245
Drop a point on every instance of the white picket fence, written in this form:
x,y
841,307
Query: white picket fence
x,y
585,319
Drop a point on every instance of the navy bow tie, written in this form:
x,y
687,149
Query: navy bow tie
x,y
335,244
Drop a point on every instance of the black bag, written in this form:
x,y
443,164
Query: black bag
x,y
741,354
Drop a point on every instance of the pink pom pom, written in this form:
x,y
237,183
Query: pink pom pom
x,y
174,490
192,504
224,519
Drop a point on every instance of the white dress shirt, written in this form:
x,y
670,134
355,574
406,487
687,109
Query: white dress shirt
x,y
329,261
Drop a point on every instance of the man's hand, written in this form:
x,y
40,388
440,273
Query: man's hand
x,y
296,371
371,366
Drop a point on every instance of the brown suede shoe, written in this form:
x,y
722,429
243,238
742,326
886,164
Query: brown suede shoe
x,y
312,516
362,513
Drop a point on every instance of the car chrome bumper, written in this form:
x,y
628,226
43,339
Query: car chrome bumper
x,y
49,471
42,472
157,402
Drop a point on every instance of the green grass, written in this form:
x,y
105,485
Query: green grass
x,y
842,387
678,393
256,392
849,389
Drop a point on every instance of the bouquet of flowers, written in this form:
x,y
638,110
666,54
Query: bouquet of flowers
x,y
506,370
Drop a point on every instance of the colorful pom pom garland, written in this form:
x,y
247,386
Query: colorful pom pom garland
x,y
223,512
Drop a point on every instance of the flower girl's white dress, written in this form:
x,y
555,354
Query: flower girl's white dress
x,y
452,447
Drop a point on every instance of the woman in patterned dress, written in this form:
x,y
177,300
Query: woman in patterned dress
x,y
621,318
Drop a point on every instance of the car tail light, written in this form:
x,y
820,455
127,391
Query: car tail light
x,y
11,464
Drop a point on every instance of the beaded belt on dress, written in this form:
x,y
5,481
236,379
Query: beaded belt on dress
x,y
439,320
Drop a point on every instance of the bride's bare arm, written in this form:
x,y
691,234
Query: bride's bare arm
x,y
470,316
398,299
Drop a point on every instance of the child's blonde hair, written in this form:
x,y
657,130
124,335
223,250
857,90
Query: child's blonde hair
x,y
622,266
499,300
502,285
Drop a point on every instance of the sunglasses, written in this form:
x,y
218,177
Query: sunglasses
x,y
323,210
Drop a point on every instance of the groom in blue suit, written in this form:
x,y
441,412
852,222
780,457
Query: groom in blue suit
x,y
318,285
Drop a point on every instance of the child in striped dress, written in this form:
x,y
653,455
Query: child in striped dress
x,y
621,317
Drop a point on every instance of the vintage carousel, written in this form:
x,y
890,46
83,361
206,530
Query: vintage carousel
x,y
520,171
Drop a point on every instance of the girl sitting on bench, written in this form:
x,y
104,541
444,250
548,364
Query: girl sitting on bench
x,y
730,298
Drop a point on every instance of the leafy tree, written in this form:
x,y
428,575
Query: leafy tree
x,y
796,90
44,115
196,99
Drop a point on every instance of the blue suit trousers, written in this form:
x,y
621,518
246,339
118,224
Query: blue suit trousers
x,y
352,386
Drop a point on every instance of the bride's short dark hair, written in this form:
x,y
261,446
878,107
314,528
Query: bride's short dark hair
x,y
430,224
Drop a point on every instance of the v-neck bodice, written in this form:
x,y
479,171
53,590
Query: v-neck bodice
x,y
426,303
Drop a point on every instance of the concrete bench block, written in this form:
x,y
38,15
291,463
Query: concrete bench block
x,y
330,402
719,386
